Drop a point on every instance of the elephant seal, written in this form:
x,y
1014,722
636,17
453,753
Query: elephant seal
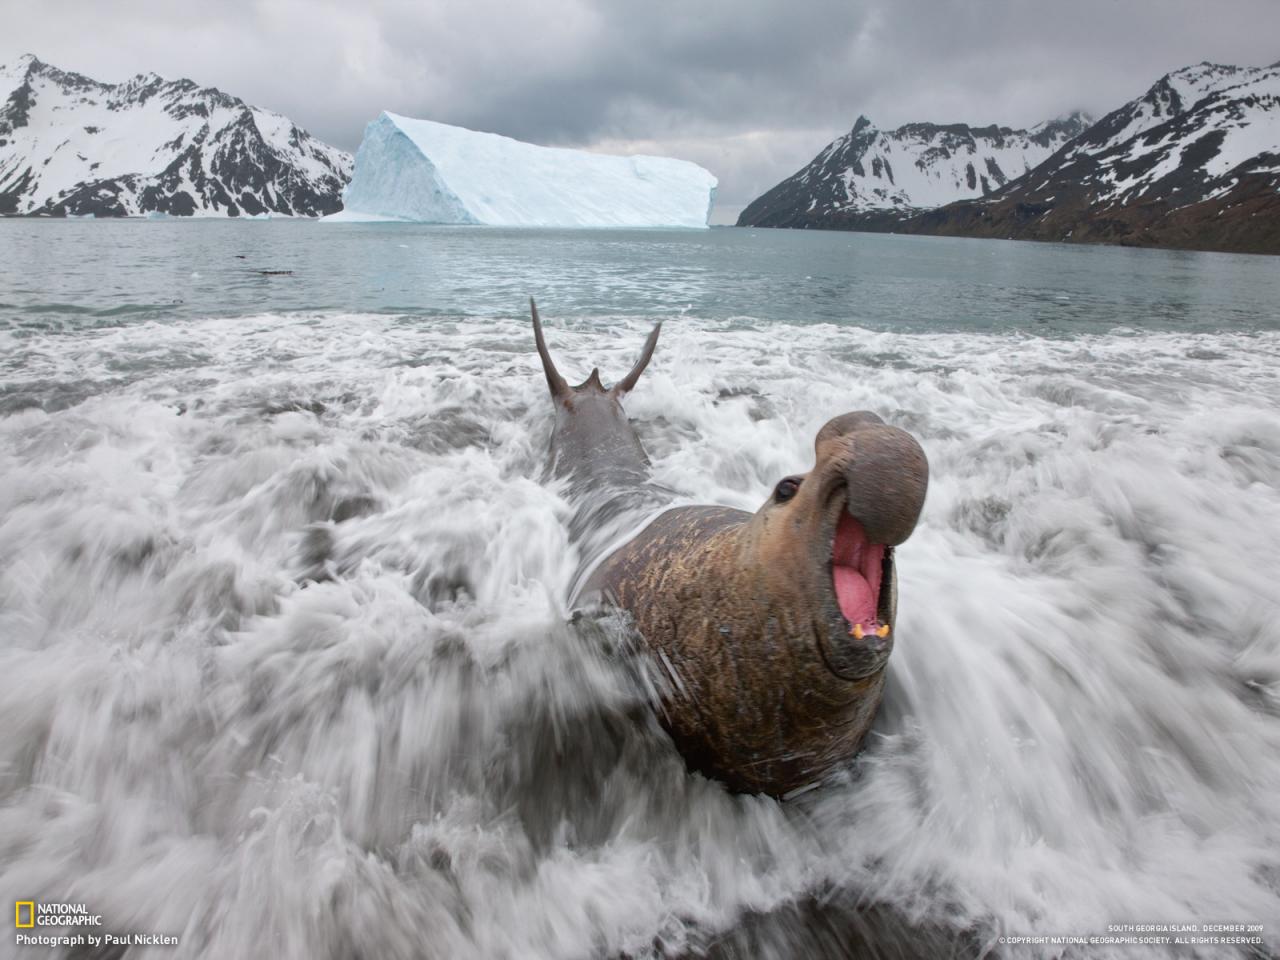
x,y
775,627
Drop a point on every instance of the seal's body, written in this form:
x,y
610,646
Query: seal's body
x,y
775,627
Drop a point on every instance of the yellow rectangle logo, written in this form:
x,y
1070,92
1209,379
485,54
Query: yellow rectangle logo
x,y
31,914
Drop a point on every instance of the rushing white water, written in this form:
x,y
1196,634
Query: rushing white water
x,y
286,667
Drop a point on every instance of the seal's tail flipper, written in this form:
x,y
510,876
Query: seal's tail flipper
x,y
627,383
559,388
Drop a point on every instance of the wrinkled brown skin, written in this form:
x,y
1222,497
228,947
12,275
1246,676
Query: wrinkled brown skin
x,y
769,691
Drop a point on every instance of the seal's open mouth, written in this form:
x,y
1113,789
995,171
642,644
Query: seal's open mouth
x,y
857,570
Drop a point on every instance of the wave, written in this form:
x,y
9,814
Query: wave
x,y
287,654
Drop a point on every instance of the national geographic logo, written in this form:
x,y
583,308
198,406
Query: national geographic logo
x,y
28,914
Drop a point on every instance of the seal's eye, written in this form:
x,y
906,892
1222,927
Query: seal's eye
x,y
786,489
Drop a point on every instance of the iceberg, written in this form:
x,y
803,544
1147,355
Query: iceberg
x,y
427,172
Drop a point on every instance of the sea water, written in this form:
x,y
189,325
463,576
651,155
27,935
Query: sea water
x,y
287,662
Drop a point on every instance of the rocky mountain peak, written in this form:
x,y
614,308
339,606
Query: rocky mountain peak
x,y
1061,129
70,145
888,174
1193,161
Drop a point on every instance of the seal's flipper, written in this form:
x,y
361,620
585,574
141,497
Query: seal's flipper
x,y
627,383
559,388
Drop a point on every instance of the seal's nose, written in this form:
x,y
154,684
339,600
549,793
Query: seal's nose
x,y
885,473
886,479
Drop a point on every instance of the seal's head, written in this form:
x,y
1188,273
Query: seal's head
x,y
824,540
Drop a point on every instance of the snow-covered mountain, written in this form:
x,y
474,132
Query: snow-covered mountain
x,y
71,145
1194,162
877,175
431,172
1195,132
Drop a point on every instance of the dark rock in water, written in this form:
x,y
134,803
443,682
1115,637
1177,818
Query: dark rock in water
x,y
315,552
349,508
276,406
254,162
760,407
449,428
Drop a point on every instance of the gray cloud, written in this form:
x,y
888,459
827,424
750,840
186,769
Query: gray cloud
x,y
750,90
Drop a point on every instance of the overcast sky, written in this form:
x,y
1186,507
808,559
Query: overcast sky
x,y
750,89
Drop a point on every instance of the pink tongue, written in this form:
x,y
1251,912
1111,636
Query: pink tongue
x,y
856,571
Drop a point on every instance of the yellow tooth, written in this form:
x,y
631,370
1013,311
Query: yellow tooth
x,y
857,630
883,631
